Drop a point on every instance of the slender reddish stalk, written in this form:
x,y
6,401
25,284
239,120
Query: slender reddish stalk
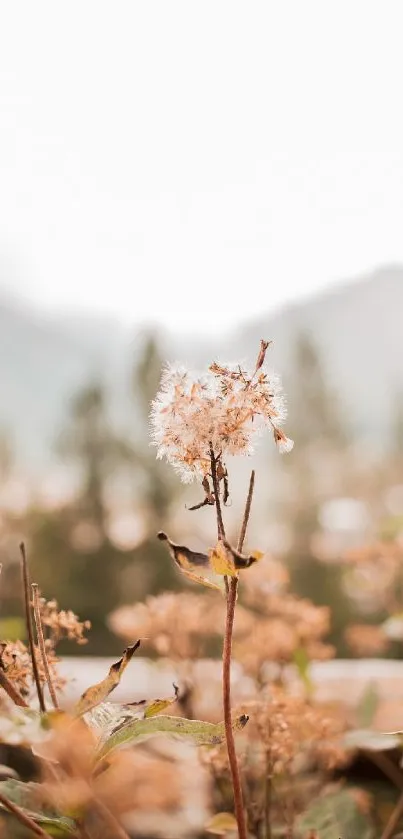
x,y
231,590
114,829
229,734
394,820
41,644
28,618
23,817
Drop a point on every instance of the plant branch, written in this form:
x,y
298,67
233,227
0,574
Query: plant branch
x,y
114,829
227,652
28,618
229,734
246,514
23,817
394,819
216,487
41,644
12,691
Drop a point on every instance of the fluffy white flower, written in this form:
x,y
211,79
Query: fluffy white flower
x,y
227,408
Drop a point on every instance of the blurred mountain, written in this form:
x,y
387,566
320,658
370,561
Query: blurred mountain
x,y
357,326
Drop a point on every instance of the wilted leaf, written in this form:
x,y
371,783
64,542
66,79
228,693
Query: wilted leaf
x,y
373,741
187,561
202,733
151,707
336,816
107,718
368,705
222,823
27,796
221,561
97,693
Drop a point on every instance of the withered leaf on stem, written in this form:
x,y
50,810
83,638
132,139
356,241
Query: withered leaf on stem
x,y
97,693
188,560
222,560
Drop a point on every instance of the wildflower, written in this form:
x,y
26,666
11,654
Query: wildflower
x,y
223,410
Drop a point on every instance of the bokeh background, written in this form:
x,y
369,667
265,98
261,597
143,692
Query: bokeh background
x,y
178,181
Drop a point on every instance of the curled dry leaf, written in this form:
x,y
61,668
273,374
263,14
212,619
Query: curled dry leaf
x,y
97,693
222,560
188,560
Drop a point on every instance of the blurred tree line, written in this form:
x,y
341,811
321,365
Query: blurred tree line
x,y
76,560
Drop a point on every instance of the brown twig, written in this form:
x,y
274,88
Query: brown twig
x,y
28,618
114,829
41,644
23,817
216,487
12,691
246,514
394,819
227,653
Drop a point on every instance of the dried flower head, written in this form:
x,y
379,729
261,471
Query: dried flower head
x,y
224,408
175,625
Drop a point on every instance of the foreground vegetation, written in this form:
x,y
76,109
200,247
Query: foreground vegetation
x,y
274,762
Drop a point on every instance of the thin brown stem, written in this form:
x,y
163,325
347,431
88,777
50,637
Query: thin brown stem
x,y
394,820
28,618
217,498
114,829
267,800
227,653
12,691
246,514
23,817
41,644
229,734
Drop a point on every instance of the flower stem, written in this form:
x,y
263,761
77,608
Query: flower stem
x,y
229,734
12,691
216,487
28,618
41,644
23,817
232,590
393,820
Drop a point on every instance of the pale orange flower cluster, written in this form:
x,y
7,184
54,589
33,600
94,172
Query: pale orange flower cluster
x,y
175,624
17,664
62,623
226,408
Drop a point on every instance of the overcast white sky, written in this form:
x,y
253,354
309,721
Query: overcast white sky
x,y
195,162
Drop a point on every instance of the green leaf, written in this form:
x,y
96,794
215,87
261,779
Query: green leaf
x,y
336,816
202,733
26,796
301,661
368,705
